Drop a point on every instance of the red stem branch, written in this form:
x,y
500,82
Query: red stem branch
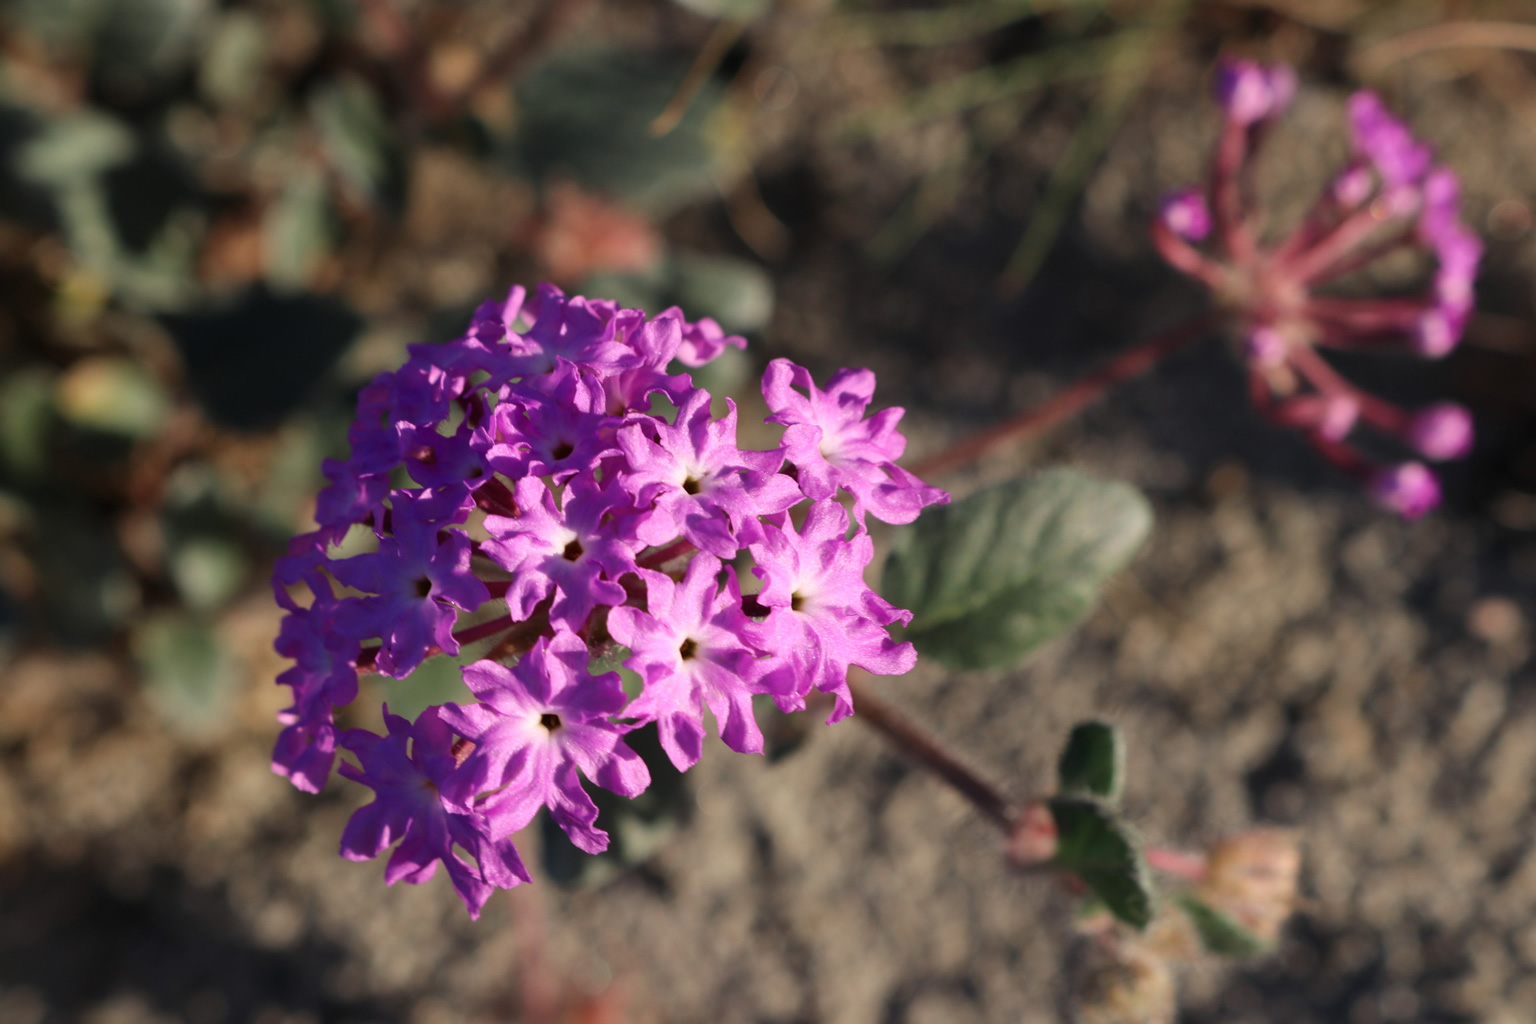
x,y
468,635
911,740
1131,363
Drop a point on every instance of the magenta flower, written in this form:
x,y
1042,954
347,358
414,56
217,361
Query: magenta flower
x,y
454,460
1409,489
538,475
408,770
350,497
1390,198
1442,431
822,615
576,552
537,725
692,481
703,342
556,434
416,581
574,330
689,647
832,445
323,678
1251,92
1186,214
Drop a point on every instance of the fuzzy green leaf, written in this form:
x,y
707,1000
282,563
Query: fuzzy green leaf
x,y
1102,851
1000,572
1093,762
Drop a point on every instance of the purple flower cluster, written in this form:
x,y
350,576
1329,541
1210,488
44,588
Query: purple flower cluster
x,y
1391,197
523,470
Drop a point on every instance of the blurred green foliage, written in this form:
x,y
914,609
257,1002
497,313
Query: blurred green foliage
x,y
218,220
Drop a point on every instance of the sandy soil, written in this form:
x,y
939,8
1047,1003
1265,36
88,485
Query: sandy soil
x,y
1282,652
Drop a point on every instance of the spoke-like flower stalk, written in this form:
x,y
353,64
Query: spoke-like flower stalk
x,y
1289,297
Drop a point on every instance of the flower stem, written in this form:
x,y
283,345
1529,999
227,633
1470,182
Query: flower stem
x,y
1131,363
661,556
468,635
926,750
1176,863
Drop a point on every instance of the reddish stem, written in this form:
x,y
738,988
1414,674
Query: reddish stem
x,y
661,557
1369,314
1188,866
1318,261
1329,381
468,635
929,752
1185,258
1365,256
1131,363
494,498
1226,192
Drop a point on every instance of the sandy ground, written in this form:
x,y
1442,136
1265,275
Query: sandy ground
x,y
1282,652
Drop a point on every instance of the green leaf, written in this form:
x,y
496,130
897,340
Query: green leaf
x,y
998,573
612,660
190,679
26,413
296,232
737,10
1219,932
587,114
737,293
1093,762
1102,851
74,148
360,142
208,571
112,394
234,59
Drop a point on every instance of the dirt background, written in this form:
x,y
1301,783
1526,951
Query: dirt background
x,y
1282,652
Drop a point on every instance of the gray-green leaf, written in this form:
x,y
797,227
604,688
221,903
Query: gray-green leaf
x,y
995,575
1093,762
360,142
190,678
587,114
1102,851
738,10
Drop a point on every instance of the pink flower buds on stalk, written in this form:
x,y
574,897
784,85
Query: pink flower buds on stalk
x,y
1390,197
522,464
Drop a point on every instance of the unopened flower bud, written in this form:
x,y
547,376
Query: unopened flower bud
x,y
1353,187
1251,877
1339,416
1266,347
1186,214
1436,334
1282,88
1244,88
1409,489
1442,431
